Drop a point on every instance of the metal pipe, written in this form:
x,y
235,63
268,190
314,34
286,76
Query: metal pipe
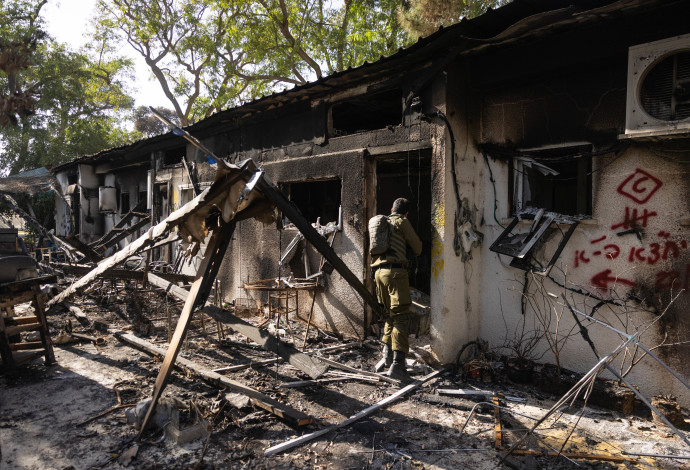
x,y
660,456
644,348
649,405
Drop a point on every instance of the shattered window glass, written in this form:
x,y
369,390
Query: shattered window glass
x,y
557,180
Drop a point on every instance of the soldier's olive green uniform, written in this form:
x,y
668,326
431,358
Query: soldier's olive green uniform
x,y
393,283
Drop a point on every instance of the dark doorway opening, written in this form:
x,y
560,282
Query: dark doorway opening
x,y
408,175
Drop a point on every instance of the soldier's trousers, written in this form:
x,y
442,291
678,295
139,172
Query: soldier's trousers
x,y
393,291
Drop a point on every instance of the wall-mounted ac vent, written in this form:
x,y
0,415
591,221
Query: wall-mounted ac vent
x,y
659,88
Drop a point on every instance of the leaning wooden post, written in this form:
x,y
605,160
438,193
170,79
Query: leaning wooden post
x,y
198,294
291,211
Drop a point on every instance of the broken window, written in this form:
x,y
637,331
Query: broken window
x,y
174,156
143,194
317,200
522,245
366,113
554,179
124,203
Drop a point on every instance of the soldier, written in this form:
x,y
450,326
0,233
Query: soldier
x,y
393,289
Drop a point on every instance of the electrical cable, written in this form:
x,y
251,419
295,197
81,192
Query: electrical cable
x,y
493,182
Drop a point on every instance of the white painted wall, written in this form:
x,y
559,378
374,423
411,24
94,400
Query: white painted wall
x,y
641,179
63,223
91,224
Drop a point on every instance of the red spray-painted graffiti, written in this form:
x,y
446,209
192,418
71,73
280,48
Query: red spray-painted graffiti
x,y
639,187
606,277
632,220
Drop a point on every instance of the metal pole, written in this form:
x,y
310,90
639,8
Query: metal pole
x,y
644,348
649,405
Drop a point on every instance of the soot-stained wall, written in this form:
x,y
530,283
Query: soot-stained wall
x,y
628,263
256,249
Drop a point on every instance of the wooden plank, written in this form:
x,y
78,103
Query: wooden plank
x,y
122,234
382,377
15,330
206,275
311,366
25,285
141,205
574,455
20,320
128,274
82,247
78,314
26,345
275,407
366,412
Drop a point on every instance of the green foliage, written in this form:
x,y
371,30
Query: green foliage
x,y
208,55
423,17
149,125
80,100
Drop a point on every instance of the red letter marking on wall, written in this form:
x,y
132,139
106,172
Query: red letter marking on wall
x,y
604,278
630,221
640,186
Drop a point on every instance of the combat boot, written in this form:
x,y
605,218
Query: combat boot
x,y
387,359
398,369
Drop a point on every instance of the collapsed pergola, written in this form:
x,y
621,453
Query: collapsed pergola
x,y
238,192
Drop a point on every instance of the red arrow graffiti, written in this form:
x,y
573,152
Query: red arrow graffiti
x,y
604,278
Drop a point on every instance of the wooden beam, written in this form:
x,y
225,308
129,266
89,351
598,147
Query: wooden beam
x,y
141,205
373,375
291,211
206,275
313,367
124,233
128,274
275,407
78,314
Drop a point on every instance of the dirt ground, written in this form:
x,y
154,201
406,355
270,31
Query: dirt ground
x,y
49,415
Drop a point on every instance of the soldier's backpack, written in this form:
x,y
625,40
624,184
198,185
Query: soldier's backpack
x,y
379,234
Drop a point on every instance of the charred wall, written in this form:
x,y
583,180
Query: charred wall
x,y
288,149
627,263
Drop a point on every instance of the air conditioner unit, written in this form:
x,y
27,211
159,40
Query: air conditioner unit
x,y
659,88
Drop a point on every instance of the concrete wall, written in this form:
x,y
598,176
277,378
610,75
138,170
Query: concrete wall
x,y
627,279
255,250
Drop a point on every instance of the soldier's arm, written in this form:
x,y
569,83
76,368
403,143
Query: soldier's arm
x,y
411,237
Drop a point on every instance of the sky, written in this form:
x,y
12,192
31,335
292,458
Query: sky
x,y
68,20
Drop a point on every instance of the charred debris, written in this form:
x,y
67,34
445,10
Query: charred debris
x,y
256,366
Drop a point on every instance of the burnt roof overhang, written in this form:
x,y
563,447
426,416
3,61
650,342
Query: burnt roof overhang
x,y
518,21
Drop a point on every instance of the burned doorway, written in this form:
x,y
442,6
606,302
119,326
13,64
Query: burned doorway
x,y
408,175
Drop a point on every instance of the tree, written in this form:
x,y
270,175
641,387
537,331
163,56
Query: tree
x,y
423,17
211,54
79,111
149,125
19,36
78,99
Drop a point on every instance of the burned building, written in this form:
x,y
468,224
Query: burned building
x,y
573,116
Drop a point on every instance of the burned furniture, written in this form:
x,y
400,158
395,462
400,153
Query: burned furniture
x,y
15,349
